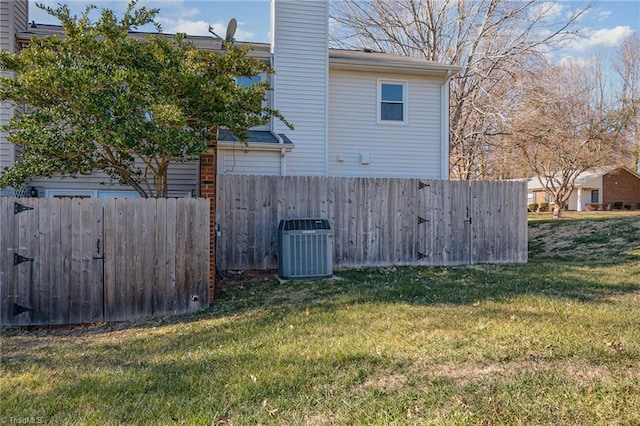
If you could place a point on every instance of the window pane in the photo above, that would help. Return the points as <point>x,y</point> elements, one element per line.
<point>392,92</point>
<point>247,81</point>
<point>391,112</point>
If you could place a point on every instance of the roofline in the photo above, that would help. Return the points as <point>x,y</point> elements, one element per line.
<point>357,60</point>
<point>599,175</point>
<point>339,59</point>
<point>260,51</point>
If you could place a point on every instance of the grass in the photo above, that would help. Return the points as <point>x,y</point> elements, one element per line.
<point>555,341</point>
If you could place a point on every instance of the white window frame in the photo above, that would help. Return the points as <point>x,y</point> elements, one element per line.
<point>405,102</point>
<point>51,193</point>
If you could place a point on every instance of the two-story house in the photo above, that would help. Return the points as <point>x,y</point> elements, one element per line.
<point>356,113</point>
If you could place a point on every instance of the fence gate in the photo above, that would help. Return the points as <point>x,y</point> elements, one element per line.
<point>73,261</point>
<point>52,264</point>
<point>444,228</point>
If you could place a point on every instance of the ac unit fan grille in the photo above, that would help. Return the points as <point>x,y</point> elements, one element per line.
<point>304,252</point>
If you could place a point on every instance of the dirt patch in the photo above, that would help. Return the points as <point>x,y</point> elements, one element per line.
<point>390,382</point>
<point>232,279</point>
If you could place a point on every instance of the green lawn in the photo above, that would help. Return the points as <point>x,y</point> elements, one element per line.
<point>555,341</point>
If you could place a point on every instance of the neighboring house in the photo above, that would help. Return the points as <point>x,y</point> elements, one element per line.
<point>356,113</point>
<point>604,185</point>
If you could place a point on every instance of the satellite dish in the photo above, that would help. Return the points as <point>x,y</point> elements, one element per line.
<point>231,29</point>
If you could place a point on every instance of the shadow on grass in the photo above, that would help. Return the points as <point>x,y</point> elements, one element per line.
<point>460,285</point>
<point>243,358</point>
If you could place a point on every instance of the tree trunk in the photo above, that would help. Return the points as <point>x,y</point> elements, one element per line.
<point>557,210</point>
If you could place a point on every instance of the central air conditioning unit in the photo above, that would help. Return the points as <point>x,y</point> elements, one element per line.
<point>305,248</point>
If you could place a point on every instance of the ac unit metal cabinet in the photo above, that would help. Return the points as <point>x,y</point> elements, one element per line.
<point>305,248</point>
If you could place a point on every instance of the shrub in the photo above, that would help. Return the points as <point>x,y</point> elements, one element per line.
<point>544,207</point>
<point>618,205</point>
<point>532,207</point>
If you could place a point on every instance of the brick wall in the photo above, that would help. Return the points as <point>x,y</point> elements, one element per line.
<point>620,185</point>
<point>208,171</point>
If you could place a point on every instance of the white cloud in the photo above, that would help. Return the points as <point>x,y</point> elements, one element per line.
<point>548,9</point>
<point>581,62</point>
<point>603,14</point>
<point>609,37</point>
<point>605,37</point>
<point>199,27</point>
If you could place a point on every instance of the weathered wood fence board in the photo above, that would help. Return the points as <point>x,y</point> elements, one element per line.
<point>375,221</point>
<point>71,261</point>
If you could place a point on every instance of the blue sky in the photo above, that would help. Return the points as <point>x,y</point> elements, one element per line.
<point>605,25</point>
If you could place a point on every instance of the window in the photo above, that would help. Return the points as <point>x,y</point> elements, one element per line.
<point>595,196</point>
<point>393,101</point>
<point>248,81</point>
<point>87,193</point>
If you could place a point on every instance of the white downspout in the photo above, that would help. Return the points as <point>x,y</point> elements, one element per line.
<point>283,155</point>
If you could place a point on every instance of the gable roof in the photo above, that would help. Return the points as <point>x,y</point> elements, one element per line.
<point>584,179</point>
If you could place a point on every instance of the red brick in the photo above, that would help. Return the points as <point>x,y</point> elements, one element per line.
<point>208,163</point>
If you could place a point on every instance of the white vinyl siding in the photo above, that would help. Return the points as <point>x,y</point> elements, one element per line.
<point>13,18</point>
<point>6,149</point>
<point>181,177</point>
<point>241,162</point>
<point>300,81</point>
<point>360,146</point>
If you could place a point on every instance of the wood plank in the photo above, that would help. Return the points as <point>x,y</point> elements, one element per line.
<point>205,219</point>
<point>182,221</point>
<point>7,244</point>
<point>76,290</point>
<point>123,291</point>
<point>160,296</point>
<point>93,241</point>
<point>110,253</point>
<point>149,229</point>
<point>137,217</point>
<point>170,259</point>
<point>46,258</point>
<point>56,263</point>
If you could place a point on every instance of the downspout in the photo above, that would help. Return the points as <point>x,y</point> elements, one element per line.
<point>283,155</point>
<point>445,131</point>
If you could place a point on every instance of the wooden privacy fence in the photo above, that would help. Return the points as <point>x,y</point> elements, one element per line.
<point>375,221</point>
<point>71,261</point>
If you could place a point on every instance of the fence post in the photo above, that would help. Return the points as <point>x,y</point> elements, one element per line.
<point>208,171</point>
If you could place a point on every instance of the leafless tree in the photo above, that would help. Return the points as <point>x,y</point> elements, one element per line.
<point>567,123</point>
<point>492,40</point>
<point>627,66</point>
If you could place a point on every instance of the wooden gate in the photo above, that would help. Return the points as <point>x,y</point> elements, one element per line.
<point>444,223</point>
<point>72,261</point>
<point>52,269</point>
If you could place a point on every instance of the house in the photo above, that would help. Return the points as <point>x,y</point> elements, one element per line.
<point>356,113</point>
<point>604,186</point>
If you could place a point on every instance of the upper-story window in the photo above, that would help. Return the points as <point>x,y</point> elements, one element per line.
<point>248,81</point>
<point>392,96</point>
